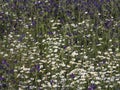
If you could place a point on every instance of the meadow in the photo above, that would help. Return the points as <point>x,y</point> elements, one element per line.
<point>59,44</point>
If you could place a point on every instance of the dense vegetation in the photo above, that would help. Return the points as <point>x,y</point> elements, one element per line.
<point>60,44</point>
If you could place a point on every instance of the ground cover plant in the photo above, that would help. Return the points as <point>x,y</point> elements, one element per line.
<point>59,45</point>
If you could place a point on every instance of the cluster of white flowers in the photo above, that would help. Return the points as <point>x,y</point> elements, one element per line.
<point>61,65</point>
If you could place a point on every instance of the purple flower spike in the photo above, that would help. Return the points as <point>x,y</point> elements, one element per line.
<point>37,67</point>
<point>68,13</point>
<point>4,85</point>
<point>92,87</point>
<point>51,82</point>
<point>1,78</point>
<point>104,61</point>
<point>50,33</point>
<point>72,75</point>
<point>108,24</point>
<point>33,23</point>
<point>101,0</point>
<point>64,47</point>
<point>4,61</point>
<point>11,71</point>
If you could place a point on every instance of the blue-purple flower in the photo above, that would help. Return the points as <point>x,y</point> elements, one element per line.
<point>92,87</point>
<point>51,82</point>
<point>35,68</point>
<point>1,78</point>
<point>4,62</point>
<point>108,23</point>
<point>72,75</point>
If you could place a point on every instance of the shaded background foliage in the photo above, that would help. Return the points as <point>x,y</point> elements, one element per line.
<point>15,13</point>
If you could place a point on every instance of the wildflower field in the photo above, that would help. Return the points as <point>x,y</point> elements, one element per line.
<point>59,44</point>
